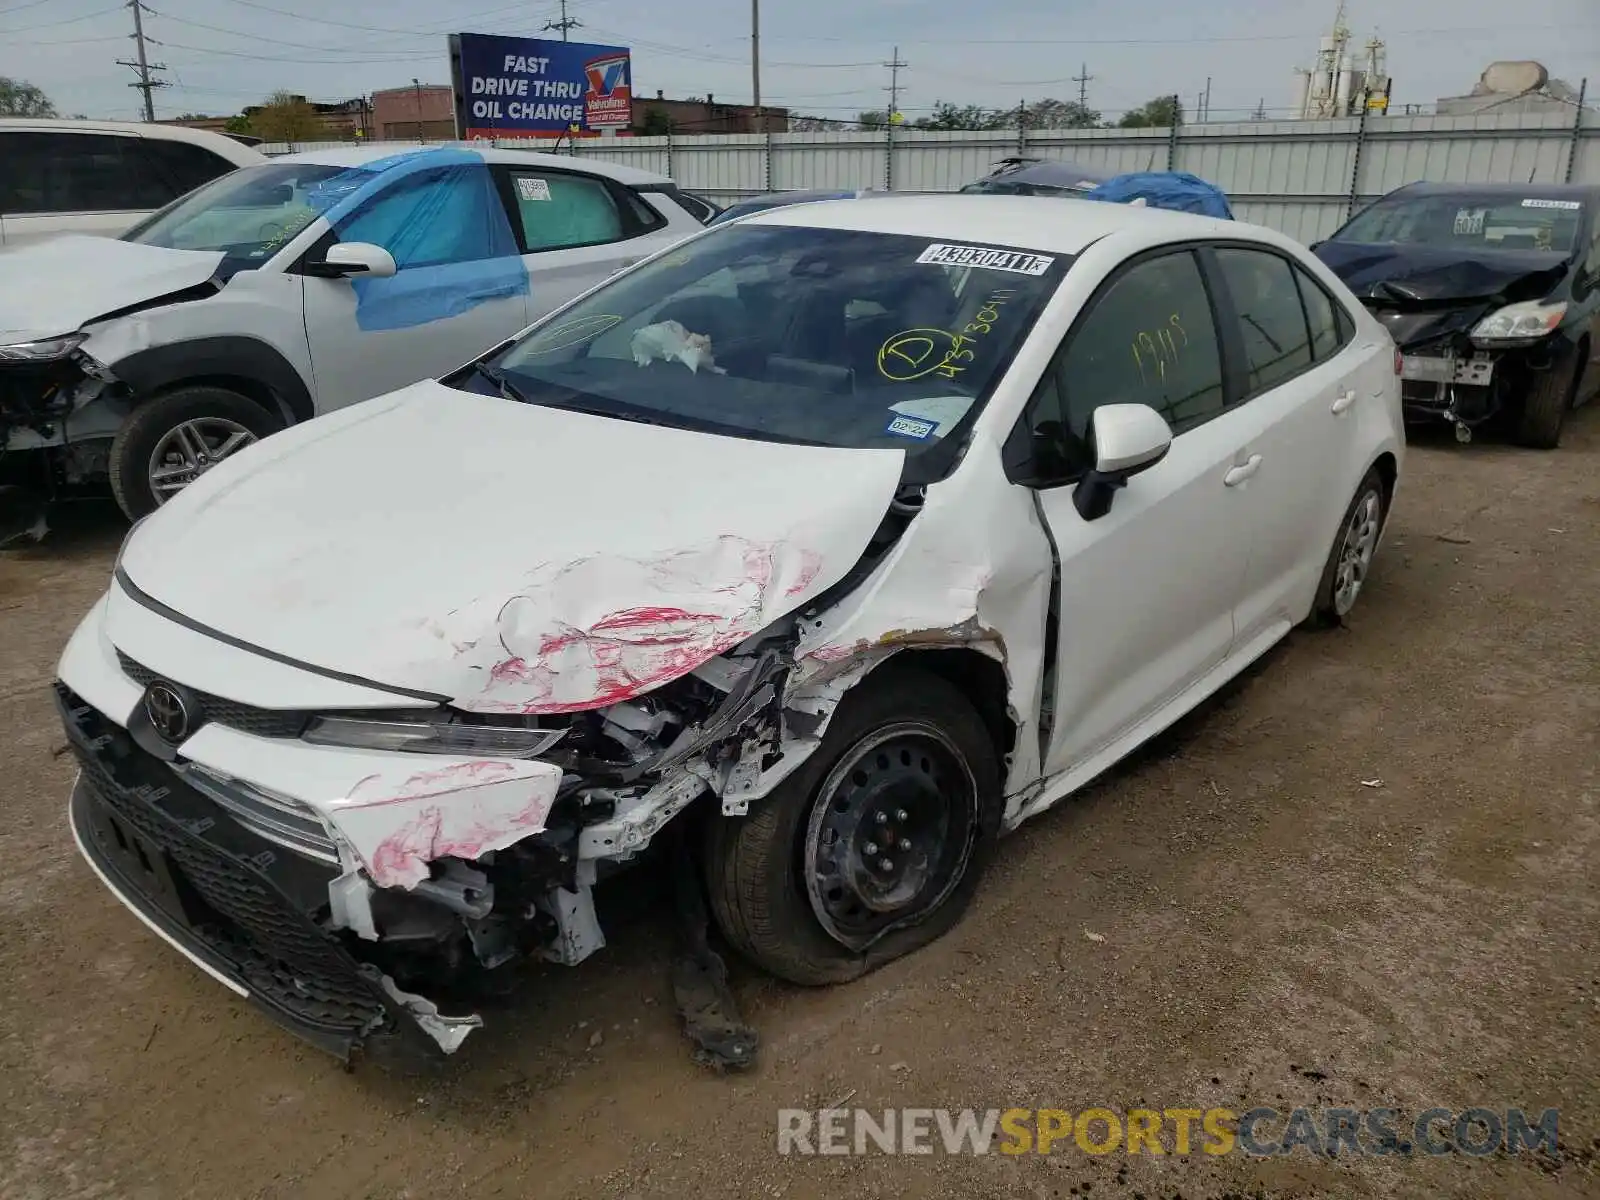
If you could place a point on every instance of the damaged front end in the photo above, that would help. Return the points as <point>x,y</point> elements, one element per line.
<point>1474,333</point>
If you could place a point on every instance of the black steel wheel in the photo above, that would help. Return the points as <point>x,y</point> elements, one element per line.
<point>873,847</point>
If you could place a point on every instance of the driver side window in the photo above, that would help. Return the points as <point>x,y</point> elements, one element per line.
<point>450,215</point>
<point>1147,338</point>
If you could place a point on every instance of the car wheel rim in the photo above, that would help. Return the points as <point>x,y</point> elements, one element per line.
<point>891,832</point>
<point>189,450</point>
<point>1355,551</point>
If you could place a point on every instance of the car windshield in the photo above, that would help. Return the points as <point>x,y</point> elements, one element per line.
<point>247,214</point>
<point>1471,222</point>
<point>822,336</point>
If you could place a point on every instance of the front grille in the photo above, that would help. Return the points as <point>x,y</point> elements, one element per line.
<point>229,902</point>
<point>246,718</point>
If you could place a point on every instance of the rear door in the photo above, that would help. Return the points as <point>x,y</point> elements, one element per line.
<point>576,230</point>
<point>1297,378</point>
<point>64,181</point>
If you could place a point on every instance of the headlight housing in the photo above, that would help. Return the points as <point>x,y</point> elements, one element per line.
<point>431,733</point>
<point>1527,321</point>
<point>43,350</point>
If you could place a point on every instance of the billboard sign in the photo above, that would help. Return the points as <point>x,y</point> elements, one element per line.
<point>510,87</point>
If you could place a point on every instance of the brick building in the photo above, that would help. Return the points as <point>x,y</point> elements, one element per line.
<point>657,116</point>
<point>421,112</point>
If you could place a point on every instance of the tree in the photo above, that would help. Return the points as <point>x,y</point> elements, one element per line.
<point>876,119</point>
<point>656,123</point>
<point>20,99</point>
<point>1161,113</point>
<point>284,117</point>
<point>239,124</point>
<point>966,116</point>
<point>1061,114</point>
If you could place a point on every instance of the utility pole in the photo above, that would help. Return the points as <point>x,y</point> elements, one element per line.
<point>1082,80</point>
<point>755,62</point>
<point>565,23</point>
<point>146,69</point>
<point>895,65</point>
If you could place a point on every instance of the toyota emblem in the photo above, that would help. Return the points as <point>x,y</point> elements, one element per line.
<point>167,713</point>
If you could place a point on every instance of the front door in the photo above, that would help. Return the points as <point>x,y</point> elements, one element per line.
<point>461,286</point>
<point>1147,591</point>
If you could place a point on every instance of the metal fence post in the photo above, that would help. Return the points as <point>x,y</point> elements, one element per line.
<point>766,167</point>
<point>670,175</point>
<point>1022,129</point>
<point>1172,134</point>
<point>888,155</point>
<point>1577,128</point>
<point>1355,166</point>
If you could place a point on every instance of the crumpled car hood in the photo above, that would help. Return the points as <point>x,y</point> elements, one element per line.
<point>1405,276</point>
<point>507,557</point>
<point>58,285</point>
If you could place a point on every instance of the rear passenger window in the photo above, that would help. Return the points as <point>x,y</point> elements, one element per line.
<point>1328,332</point>
<point>185,166</point>
<point>1272,323</point>
<point>1148,339</point>
<point>75,173</point>
<point>559,211</point>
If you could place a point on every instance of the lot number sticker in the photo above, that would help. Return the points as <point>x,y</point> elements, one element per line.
<point>533,189</point>
<point>1015,261</point>
<point>1566,204</point>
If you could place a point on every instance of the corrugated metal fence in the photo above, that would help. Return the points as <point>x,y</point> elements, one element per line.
<point>1301,177</point>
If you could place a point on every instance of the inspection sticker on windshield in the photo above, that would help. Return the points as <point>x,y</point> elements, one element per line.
<point>533,189</point>
<point>911,427</point>
<point>1015,261</point>
<point>1567,204</point>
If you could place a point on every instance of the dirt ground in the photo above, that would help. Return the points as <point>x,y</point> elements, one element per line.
<point>1275,932</point>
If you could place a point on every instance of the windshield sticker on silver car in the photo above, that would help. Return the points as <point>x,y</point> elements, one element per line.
<point>1566,204</point>
<point>946,255</point>
<point>911,427</point>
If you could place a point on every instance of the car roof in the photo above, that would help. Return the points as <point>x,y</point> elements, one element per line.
<point>217,143</point>
<point>361,155</point>
<point>1064,226</point>
<point>1051,172</point>
<point>1532,191</point>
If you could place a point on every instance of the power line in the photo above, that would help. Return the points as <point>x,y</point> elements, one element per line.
<point>147,82</point>
<point>67,21</point>
<point>895,65</point>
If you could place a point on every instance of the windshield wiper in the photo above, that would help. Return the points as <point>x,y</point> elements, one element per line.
<point>506,388</point>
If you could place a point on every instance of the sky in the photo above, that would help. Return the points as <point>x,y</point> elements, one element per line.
<point>823,57</point>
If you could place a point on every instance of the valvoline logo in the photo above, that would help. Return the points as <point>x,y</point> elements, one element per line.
<point>608,95</point>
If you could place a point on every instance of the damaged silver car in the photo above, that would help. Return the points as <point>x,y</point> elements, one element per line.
<point>814,552</point>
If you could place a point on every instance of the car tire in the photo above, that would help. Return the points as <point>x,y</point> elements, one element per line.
<point>1546,404</point>
<point>220,417</point>
<point>1351,557</point>
<point>905,743</point>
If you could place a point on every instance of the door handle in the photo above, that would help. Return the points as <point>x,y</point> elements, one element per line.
<point>1243,471</point>
<point>1342,404</point>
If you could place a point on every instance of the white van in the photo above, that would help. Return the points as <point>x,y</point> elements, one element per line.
<point>100,177</point>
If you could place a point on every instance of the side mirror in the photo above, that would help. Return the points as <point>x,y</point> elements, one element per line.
<point>1128,438</point>
<point>345,259</point>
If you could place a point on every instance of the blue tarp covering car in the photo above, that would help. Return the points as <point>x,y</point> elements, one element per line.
<point>1166,189</point>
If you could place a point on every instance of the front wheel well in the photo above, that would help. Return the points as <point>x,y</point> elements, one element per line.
<point>1388,469</point>
<point>979,678</point>
<point>254,390</point>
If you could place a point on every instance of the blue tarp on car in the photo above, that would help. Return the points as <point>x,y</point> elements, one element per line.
<point>1166,189</point>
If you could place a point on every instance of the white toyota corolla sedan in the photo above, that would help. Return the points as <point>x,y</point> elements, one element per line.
<point>843,538</point>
